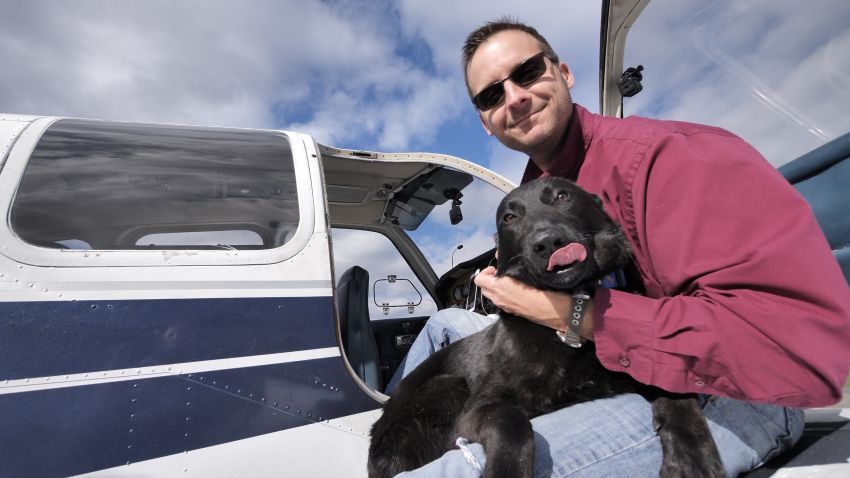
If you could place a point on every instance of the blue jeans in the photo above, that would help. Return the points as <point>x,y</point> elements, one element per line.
<point>611,437</point>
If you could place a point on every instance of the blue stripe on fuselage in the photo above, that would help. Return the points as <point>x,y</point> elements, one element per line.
<point>39,339</point>
<point>67,431</point>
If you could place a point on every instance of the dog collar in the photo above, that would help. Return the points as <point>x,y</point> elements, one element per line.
<point>572,336</point>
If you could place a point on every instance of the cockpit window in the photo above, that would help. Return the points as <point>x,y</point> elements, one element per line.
<point>446,242</point>
<point>768,70</point>
<point>136,186</point>
<point>224,239</point>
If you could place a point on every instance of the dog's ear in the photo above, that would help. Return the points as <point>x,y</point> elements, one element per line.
<point>503,252</point>
<point>509,252</point>
<point>596,199</point>
<point>612,249</point>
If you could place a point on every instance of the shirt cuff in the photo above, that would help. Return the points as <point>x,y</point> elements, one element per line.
<point>624,332</point>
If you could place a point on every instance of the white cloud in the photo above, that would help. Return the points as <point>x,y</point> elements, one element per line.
<point>572,28</point>
<point>154,61</point>
<point>507,162</point>
<point>337,69</point>
<point>410,113</point>
<point>386,74</point>
<point>255,64</point>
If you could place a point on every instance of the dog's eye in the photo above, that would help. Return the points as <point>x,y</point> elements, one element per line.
<point>563,196</point>
<point>508,217</point>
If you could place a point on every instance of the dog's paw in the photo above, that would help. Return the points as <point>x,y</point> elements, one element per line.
<point>673,469</point>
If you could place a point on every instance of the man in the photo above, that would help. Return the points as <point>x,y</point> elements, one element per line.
<point>744,302</point>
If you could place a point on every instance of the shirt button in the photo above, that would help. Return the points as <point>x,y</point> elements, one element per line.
<point>699,382</point>
<point>624,361</point>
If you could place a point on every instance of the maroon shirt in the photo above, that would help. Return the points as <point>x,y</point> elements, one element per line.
<point>744,298</point>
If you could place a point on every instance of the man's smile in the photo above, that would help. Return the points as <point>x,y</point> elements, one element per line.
<point>524,118</point>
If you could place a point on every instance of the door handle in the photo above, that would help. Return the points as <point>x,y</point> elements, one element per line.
<point>404,340</point>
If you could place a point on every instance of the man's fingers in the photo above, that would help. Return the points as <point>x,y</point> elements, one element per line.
<point>486,277</point>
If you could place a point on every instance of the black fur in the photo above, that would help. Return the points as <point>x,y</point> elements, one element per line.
<point>488,386</point>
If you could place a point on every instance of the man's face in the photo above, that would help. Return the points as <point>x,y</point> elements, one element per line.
<point>532,119</point>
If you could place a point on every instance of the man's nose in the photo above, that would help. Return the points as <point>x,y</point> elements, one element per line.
<point>514,94</point>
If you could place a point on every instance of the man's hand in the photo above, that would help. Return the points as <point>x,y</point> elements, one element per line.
<point>543,307</point>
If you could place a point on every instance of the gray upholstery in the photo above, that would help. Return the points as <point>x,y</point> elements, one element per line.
<point>822,176</point>
<point>355,325</point>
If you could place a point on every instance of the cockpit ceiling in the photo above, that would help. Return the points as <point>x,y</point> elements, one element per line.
<point>369,174</point>
<point>338,194</point>
<point>357,189</point>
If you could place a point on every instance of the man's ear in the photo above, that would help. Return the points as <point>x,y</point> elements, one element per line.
<point>567,74</point>
<point>484,123</point>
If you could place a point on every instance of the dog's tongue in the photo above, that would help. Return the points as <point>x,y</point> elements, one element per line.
<point>566,255</point>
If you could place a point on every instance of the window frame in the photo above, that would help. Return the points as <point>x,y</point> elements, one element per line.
<point>412,256</point>
<point>304,154</point>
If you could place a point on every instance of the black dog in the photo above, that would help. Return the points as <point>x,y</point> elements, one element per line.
<point>555,236</point>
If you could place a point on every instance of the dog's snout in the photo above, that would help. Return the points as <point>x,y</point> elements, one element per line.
<point>545,242</point>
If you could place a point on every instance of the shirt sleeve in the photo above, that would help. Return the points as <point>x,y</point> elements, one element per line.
<point>744,299</point>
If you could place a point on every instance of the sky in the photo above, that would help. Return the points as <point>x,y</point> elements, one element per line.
<point>385,75</point>
<point>376,75</point>
<point>775,72</point>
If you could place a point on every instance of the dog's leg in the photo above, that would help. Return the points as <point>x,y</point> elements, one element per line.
<point>686,442</point>
<point>504,431</point>
<point>411,433</point>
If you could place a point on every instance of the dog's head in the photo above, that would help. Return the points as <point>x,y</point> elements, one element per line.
<point>555,235</point>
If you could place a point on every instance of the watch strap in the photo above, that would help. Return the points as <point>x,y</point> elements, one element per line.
<point>572,336</point>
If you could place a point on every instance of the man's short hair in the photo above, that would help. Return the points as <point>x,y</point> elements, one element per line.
<point>484,32</point>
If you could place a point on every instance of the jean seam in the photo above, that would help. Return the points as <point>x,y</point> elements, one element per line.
<point>777,448</point>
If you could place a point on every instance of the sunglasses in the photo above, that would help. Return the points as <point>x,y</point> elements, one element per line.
<point>523,75</point>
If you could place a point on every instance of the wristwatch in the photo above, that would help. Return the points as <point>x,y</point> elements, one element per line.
<point>581,301</point>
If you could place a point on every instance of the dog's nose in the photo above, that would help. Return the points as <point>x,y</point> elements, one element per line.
<point>547,241</point>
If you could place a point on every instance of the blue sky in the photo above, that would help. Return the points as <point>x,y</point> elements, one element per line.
<point>377,75</point>
<point>384,75</point>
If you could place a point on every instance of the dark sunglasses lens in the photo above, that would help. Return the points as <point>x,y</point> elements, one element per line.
<point>530,71</point>
<point>525,74</point>
<point>490,97</point>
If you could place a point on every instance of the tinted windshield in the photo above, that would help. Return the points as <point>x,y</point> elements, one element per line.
<point>98,185</point>
<point>776,72</point>
<point>445,244</point>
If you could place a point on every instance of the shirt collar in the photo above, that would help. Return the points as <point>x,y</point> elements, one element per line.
<point>568,163</point>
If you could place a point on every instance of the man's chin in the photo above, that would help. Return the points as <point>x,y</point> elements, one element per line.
<point>527,141</point>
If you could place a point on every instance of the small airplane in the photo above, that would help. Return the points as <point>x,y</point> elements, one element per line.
<point>189,301</point>
<point>168,297</point>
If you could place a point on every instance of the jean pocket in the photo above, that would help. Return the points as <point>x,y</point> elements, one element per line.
<point>784,425</point>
